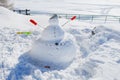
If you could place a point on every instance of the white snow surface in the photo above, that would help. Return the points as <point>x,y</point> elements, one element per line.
<point>100,58</point>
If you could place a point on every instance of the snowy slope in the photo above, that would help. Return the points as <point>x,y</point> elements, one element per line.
<point>101,7</point>
<point>100,58</point>
<point>13,20</point>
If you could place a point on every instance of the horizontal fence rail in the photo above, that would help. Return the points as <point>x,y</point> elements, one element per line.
<point>92,18</point>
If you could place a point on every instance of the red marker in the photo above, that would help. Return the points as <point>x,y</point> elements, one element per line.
<point>33,22</point>
<point>73,18</point>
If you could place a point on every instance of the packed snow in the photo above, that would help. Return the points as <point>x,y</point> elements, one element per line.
<point>98,57</point>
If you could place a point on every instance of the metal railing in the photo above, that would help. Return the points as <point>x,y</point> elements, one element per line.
<point>92,18</point>
<point>80,17</point>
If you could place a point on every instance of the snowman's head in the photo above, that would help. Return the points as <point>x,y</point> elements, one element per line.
<point>54,20</point>
<point>53,31</point>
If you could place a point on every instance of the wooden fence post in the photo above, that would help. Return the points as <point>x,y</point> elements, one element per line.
<point>20,11</point>
<point>79,17</point>
<point>119,20</point>
<point>66,16</point>
<point>105,19</point>
<point>26,12</point>
<point>92,18</point>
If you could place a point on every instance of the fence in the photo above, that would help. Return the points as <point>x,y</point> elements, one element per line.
<point>92,18</point>
<point>80,17</point>
<point>25,12</point>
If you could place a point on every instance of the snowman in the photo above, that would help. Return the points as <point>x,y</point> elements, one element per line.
<point>55,46</point>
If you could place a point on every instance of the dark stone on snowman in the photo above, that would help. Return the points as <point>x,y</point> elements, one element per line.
<point>55,45</point>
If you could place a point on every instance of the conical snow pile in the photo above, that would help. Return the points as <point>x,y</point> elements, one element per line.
<point>55,45</point>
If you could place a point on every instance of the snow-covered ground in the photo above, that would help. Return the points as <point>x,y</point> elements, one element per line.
<point>98,59</point>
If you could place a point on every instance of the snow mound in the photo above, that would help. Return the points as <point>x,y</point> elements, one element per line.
<point>53,31</point>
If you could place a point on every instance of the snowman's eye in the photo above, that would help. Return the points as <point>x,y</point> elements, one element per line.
<point>56,44</point>
<point>61,44</point>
